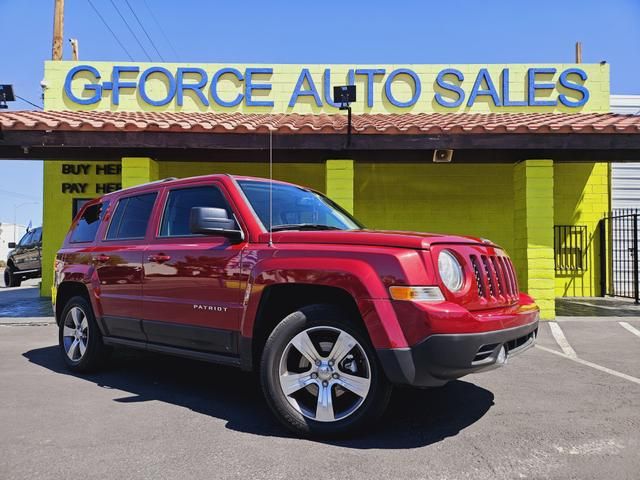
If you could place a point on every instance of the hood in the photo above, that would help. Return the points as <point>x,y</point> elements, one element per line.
<point>382,238</point>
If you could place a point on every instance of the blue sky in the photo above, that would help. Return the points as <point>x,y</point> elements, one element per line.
<point>276,31</point>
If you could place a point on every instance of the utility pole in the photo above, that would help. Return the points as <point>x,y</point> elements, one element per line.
<point>578,52</point>
<point>58,28</point>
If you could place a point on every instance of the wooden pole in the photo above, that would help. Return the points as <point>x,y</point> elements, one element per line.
<point>578,52</point>
<point>74,49</point>
<point>58,28</point>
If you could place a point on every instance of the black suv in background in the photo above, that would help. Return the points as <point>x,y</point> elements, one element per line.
<point>25,260</point>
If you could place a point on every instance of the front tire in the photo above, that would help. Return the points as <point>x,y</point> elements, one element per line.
<point>320,374</point>
<point>80,338</point>
<point>10,278</point>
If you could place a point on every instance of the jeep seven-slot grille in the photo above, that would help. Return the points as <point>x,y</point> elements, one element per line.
<point>495,277</point>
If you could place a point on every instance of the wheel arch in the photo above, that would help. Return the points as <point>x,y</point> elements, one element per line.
<point>67,290</point>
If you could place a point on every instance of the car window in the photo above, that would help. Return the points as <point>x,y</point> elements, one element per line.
<point>175,220</point>
<point>87,225</point>
<point>131,217</point>
<point>26,239</point>
<point>37,236</point>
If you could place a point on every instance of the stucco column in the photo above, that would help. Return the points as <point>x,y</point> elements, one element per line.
<point>339,182</point>
<point>533,232</point>
<point>139,170</point>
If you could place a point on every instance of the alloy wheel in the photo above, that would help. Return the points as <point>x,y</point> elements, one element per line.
<point>75,334</point>
<point>325,374</point>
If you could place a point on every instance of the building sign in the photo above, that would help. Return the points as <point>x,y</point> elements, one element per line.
<point>90,178</point>
<point>304,89</point>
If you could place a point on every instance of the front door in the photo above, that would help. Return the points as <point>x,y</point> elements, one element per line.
<point>192,294</point>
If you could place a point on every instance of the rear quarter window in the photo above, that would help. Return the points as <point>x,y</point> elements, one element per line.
<point>87,225</point>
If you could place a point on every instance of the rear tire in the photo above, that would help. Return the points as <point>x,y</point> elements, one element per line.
<point>80,338</point>
<point>320,374</point>
<point>10,278</point>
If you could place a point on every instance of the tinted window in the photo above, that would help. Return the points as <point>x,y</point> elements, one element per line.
<point>87,226</point>
<point>293,205</point>
<point>26,239</point>
<point>175,221</point>
<point>131,217</point>
<point>37,235</point>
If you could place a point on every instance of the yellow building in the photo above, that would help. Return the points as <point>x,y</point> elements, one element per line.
<point>527,157</point>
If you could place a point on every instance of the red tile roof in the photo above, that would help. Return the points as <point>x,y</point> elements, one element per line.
<point>394,124</point>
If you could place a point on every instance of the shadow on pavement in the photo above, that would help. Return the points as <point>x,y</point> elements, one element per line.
<point>415,418</point>
<point>24,302</point>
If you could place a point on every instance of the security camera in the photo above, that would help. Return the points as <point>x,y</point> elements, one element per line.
<point>442,156</point>
<point>44,84</point>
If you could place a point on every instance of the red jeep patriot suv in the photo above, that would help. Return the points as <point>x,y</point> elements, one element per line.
<point>278,278</point>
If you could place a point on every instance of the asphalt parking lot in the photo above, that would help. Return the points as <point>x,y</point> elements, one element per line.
<point>550,413</point>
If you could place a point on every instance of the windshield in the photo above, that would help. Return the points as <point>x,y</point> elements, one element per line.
<point>296,208</point>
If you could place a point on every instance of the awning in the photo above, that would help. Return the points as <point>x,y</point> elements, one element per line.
<point>499,136</point>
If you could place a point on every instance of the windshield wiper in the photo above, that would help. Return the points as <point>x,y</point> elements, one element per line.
<point>303,226</point>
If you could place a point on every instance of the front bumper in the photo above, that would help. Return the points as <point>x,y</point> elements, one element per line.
<point>444,357</point>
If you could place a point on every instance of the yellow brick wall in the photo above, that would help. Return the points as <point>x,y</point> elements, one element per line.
<point>138,170</point>
<point>533,232</point>
<point>443,198</point>
<point>340,182</point>
<point>581,197</point>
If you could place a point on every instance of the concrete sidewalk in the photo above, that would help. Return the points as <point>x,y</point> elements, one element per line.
<point>23,305</point>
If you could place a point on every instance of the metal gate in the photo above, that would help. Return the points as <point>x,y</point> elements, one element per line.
<point>619,254</point>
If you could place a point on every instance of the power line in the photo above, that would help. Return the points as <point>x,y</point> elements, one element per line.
<point>130,29</point>
<point>109,28</point>
<point>16,194</point>
<point>144,30</point>
<point>30,103</point>
<point>162,30</point>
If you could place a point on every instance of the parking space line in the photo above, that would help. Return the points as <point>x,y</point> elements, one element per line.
<point>630,328</point>
<point>561,340</point>
<point>615,373</point>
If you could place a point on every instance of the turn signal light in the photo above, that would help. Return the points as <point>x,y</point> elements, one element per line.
<point>416,294</point>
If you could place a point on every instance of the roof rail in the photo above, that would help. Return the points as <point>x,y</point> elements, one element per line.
<point>162,180</point>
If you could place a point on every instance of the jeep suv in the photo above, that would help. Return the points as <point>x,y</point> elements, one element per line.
<point>277,278</point>
<point>24,261</point>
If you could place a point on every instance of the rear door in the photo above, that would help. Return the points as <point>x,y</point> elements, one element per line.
<point>192,287</point>
<point>118,264</point>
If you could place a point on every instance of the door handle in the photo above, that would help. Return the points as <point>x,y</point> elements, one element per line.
<point>102,258</point>
<point>160,258</point>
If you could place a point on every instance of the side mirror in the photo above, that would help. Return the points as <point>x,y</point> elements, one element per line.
<point>213,221</point>
<point>11,244</point>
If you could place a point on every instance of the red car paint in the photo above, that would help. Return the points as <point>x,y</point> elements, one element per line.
<point>212,282</point>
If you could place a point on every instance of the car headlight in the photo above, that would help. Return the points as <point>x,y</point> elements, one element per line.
<point>450,271</point>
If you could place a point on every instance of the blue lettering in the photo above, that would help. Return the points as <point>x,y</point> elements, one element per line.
<point>89,86</point>
<point>195,87</point>
<point>214,87</point>
<point>249,87</point>
<point>483,75</point>
<point>566,83</point>
<point>533,86</point>
<point>311,92</point>
<point>370,73</point>
<point>506,101</point>
<point>451,87</point>
<point>116,84</point>
<point>142,85</point>
<point>416,91</point>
